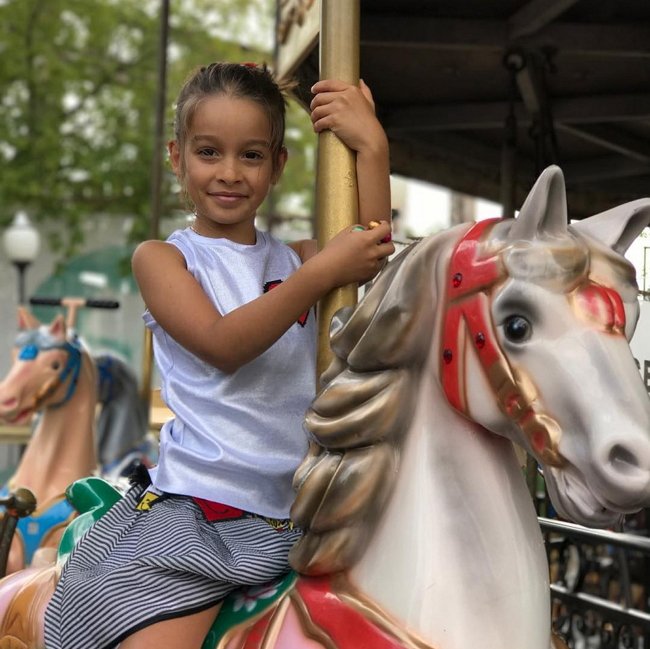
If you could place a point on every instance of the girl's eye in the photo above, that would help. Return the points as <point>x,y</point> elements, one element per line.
<point>56,365</point>
<point>253,155</point>
<point>517,329</point>
<point>207,153</point>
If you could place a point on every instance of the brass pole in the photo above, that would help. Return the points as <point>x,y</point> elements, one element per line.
<point>147,366</point>
<point>336,180</point>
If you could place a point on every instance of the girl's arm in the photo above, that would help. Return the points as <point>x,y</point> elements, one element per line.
<point>184,311</point>
<point>349,112</point>
<point>305,248</point>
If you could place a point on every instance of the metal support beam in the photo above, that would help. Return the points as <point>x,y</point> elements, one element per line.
<point>508,177</point>
<point>611,139</point>
<point>535,15</point>
<point>528,69</point>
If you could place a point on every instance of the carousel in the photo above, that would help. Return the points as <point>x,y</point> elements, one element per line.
<point>472,348</point>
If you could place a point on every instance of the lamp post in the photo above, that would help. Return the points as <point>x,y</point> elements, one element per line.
<point>21,242</point>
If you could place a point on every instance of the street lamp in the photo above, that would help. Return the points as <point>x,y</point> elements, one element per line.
<point>22,242</point>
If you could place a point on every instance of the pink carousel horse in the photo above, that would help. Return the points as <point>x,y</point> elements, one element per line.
<point>419,529</point>
<point>54,377</point>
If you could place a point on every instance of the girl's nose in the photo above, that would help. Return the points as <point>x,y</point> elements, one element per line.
<point>228,172</point>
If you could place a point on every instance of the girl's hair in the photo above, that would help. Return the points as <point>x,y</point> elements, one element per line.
<point>242,80</point>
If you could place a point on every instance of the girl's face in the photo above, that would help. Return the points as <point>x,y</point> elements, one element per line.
<point>226,166</point>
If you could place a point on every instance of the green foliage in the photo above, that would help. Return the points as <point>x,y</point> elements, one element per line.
<point>78,88</point>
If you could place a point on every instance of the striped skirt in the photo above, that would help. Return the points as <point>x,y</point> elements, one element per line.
<point>136,567</point>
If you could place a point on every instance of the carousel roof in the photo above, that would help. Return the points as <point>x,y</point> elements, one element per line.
<point>458,81</point>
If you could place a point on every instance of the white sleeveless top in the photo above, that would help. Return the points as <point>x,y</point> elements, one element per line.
<point>237,438</point>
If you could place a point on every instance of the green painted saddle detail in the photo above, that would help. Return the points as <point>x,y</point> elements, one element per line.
<point>246,603</point>
<point>92,498</point>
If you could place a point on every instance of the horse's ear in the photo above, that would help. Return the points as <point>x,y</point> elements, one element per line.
<point>26,320</point>
<point>618,227</point>
<point>57,327</point>
<point>544,210</point>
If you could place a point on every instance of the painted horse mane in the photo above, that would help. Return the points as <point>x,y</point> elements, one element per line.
<point>361,415</point>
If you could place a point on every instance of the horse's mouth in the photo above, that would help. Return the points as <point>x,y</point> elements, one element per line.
<point>22,417</point>
<point>575,501</point>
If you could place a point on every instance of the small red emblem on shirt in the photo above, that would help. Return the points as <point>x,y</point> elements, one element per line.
<point>302,320</point>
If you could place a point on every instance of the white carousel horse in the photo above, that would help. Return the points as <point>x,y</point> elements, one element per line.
<point>419,529</point>
<point>54,375</point>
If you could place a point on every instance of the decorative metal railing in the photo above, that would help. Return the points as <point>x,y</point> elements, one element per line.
<point>600,584</point>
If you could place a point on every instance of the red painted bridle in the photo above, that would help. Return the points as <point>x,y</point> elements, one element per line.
<point>468,321</point>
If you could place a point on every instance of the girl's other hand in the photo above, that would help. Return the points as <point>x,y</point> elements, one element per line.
<point>355,255</point>
<point>349,112</point>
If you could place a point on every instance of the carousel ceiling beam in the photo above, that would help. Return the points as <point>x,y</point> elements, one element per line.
<point>471,151</point>
<point>477,115</point>
<point>603,168</point>
<point>600,109</point>
<point>423,32</point>
<point>449,116</point>
<point>535,15</point>
<point>414,159</point>
<point>622,40</point>
<point>464,151</point>
<point>612,139</point>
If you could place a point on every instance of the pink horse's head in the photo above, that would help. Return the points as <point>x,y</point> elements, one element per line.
<point>45,366</point>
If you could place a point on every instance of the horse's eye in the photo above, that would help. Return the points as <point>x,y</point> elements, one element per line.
<point>56,365</point>
<point>517,329</point>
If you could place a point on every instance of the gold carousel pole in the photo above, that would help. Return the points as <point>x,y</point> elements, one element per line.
<point>336,180</point>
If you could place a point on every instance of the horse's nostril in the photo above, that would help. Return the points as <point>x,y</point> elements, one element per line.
<point>622,460</point>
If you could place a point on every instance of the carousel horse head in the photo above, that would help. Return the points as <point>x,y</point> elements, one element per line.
<point>522,327</point>
<point>48,363</point>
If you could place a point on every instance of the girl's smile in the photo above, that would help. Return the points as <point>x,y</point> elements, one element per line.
<point>226,198</point>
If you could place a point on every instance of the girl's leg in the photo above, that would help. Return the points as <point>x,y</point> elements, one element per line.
<point>187,632</point>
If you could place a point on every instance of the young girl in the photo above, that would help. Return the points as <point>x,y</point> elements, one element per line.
<point>232,315</point>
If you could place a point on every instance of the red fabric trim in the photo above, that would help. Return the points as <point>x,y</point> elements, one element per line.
<point>348,628</point>
<point>216,511</point>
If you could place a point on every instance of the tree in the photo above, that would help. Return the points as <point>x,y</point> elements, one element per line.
<point>77,108</point>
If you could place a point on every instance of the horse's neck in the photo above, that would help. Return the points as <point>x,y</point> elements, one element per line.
<point>458,555</point>
<point>62,446</point>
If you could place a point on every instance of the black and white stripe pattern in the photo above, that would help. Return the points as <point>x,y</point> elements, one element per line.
<point>134,568</point>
